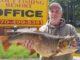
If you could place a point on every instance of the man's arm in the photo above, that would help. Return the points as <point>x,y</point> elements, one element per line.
<point>74,32</point>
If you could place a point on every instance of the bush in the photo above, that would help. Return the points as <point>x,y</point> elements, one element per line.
<point>2,52</point>
<point>15,51</point>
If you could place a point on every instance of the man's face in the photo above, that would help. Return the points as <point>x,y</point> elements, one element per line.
<point>55,15</point>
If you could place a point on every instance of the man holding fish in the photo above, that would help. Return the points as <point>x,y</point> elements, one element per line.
<point>57,26</point>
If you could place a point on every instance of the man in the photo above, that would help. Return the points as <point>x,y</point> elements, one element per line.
<point>56,26</point>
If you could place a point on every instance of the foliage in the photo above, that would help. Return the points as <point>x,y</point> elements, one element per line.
<point>16,52</point>
<point>2,52</point>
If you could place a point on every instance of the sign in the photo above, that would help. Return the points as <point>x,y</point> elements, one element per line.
<point>26,13</point>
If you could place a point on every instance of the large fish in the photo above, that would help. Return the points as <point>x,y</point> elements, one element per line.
<point>45,44</point>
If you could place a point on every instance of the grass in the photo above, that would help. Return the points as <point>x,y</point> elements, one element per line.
<point>78,29</point>
<point>16,52</point>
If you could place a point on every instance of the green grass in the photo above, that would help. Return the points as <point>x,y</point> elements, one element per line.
<point>16,52</point>
<point>78,29</point>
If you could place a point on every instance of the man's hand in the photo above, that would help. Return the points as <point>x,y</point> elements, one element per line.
<point>74,43</point>
<point>27,44</point>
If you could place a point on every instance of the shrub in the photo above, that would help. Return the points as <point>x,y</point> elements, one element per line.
<point>15,51</point>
